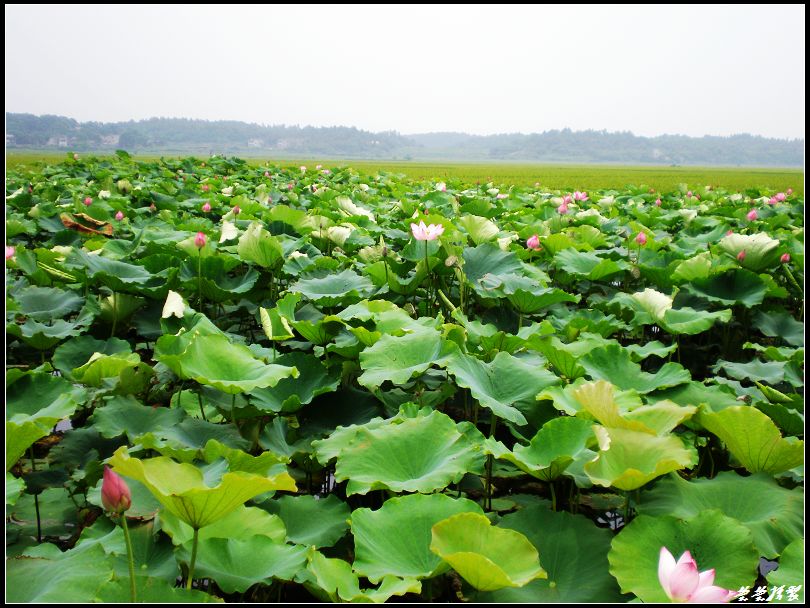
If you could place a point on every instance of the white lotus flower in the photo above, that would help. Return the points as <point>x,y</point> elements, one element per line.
<point>104,194</point>
<point>174,305</point>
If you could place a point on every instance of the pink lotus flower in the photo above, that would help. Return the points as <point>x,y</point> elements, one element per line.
<point>566,200</point>
<point>206,207</point>
<point>441,187</point>
<point>119,216</point>
<point>289,186</point>
<point>689,194</point>
<point>741,256</point>
<point>426,233</point>
<point>780,196</point>
<point>267,174</point>
<point>658,202</point>
<point>501,196</point>
<point>317,167</point>
<point>88,201</point>
<point>562,209</point>
<point>199,240</point>
<point>784,259</point>
<point>9,252</point>
<point>206,187</point>
<point>789,191</point>
<point>115,494</point>
<point>236,210</point>
<point>326,172</point>
<point>533,242</point>
<point>682,582</point>
<point>580,196</point>
<point>303,168</point>
<point>772,201</point>
<point>752,215</point>
<point>729,233</point>
<point>641,239</point>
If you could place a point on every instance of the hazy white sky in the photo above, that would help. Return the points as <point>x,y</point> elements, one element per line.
<point>480,69</point>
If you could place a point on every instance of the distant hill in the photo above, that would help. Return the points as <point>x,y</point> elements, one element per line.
<point>182,135</point>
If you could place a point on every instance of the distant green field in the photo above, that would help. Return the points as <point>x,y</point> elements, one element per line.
<point>569,177</point>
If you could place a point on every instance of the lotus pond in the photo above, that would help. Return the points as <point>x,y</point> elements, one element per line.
<point>235,383</point>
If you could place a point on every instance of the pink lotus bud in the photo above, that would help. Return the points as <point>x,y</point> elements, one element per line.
<point>641,239</point>
<point>683,583</point>
<point>562,209</point>
<point>267,174</point>
<point>784,259</point>
<point>689,193</point>
<point>326,172</point>
<point>317,167</point>
<point>780,196</point>
<point>441,187</point>
<point>205,187</point>
<point>206,207</point>
<point>533,242</point>
<point>741,256</point>
<point>115,494</point>
<point>75,157</point>
<point>658,202</point>
<point>9,252</point>
<point>772,201</point>
<point>30,189</point>
<point>580,196</point>
<point>426,212</point>
<point>729,233</point>
<point>119,216</point>
<point>789,191</point>
<point>752,215</point>
<point>88,201</point>
<point>289,186</point>
<point>303,168</point>
<point>236,210</point>
<point>199,240</point>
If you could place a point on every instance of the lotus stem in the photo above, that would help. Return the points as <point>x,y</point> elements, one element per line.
<point>446,301</point>
<point>792,278</point>
<point>492,426</point>
<point>193,558</point>
<point>115,313</point>
<point>130,558</point>
<point>430,281</point>
<point>36,497</point>
<point>553,495</point>
<point>199,278</point>
<point>202,410</point>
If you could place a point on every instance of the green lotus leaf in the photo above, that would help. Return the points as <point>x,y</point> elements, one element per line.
<point>790,571</point>
<point>181,488</point>
<point>126,415</point>
<point>507,385</point>
<point>21,436</point>
<point>312,521</point>
<point>73,576</point>
<point>486,556</point>
<point>777,353</point>
<point>587,264</point>
<point>531,301</point>
<point>714,397</point>
<point>188,440</point>
<point>333,580</point>
<point>331,289</point>
<point>215,361</point>
<point>76,351</point>
<point>564,362</point>
<point>628,459</point>
<point>772,372</point>
<point>550,451</point>
<point>714,540</point>
<point>654,307</point>
<point>573,551</point>
<point>122,276</point>
<point>416,455</point>
<point>381,548</point>
<point>689,321</point>
<point>479,228</point>
<point>45,303</point>
<point>343,436</point>
<point>789,421</point>
<point>780,324</point>
<point>257,245</point>
<point>241,524</point>
<point>733,287</point>
<point>753,439</point>
<point>14,488</point>
<point>211,275</point>
<point>39,395</point>
<point>236,565</point>
<point>697,267</point>
<point>760,249</point>
<point>398,358</point>
<point>151,590</point>
<point>488,259</point>
<point>775,518</point>
<point>43,336</point>
<point>614,364</point>
<point>274,325</point>
<point>564,398</point>
<point>640,352</point>
<point>101,367</point>
<point>290,394</point>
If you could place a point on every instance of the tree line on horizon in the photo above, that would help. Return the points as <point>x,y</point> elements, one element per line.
<point>183,135</point>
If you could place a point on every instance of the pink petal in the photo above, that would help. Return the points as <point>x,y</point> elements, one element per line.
<point>686,558</point>
<point>666,565</point>
<point>706,579</point>
<point>711,595</point>
<point>684,581</point>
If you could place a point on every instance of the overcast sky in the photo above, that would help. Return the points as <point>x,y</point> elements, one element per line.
<point>660,69</point>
